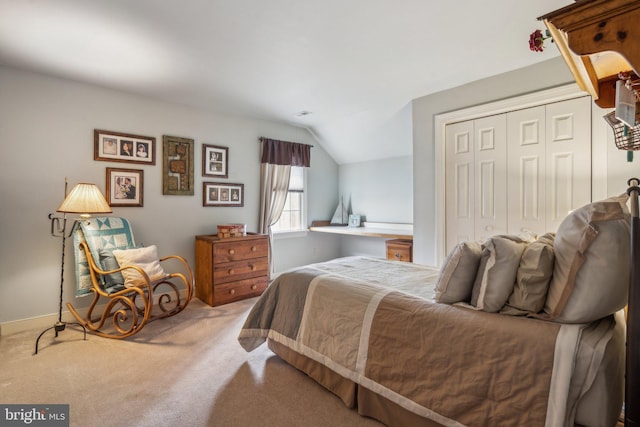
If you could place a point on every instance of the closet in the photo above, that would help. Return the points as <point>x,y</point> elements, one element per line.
<point>517,172</point>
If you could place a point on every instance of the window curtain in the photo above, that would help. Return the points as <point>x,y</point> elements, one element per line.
<point>276,159</point>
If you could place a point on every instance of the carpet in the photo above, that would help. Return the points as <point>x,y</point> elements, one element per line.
<point>186,370</point>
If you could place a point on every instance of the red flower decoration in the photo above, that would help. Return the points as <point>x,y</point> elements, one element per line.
<point>536,40</point>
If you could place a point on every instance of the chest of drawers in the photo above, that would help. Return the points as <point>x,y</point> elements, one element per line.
<point>400,250</point>
<point>231,269</point>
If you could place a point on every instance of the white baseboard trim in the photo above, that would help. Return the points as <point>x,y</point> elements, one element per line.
<point>48,320</point>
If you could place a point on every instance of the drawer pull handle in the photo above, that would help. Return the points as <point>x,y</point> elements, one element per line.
<point>254,287</point>
<point>231,252</point>
<point>253,267</point>
<point>232,291</point>
<point>398,255</point>
<point>231,271</point>
<point>253,249</point>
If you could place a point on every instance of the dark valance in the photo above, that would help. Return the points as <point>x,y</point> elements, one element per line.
<point>285,153</point>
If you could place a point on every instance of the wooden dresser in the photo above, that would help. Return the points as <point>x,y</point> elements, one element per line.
<point>400,250</point>
<point>231,269</point>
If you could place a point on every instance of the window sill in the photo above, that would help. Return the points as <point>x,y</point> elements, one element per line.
<point>289,234</point>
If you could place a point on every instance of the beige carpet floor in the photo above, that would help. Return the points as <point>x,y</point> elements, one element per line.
<point>187,370</point>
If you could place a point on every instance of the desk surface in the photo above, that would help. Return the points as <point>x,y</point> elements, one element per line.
<point>374,229</point>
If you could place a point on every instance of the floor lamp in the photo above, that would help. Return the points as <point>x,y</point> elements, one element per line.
<point>84,200</point>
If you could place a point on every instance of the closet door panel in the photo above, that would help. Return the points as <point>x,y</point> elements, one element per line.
<point>459,184</point>
<point>568,158</point>
<point>490,176</point>
<point>526,159</point>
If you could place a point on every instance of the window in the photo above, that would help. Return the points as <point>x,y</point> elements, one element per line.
<point>293,216</point>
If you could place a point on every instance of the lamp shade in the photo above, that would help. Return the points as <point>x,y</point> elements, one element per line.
<point>85,199</point>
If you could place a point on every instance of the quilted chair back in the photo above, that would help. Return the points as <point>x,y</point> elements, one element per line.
<point>102,235</point>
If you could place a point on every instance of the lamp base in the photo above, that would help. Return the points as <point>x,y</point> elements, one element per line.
<point>59,327</point>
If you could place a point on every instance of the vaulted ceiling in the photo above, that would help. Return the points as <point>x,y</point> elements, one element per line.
<point>345,69</point>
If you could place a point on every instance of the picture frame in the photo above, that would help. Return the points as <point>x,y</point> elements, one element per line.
<point>354,220</point>
<point>222,194</point>
<point>215,161</point>
<point>123,147</point>
<point>177,167</point>
<point>125,187</point>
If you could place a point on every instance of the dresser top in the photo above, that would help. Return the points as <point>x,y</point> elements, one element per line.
<point>215,238</point>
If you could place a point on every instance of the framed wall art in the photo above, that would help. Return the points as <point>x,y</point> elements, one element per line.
<point>123,147</point>
<point>125,187</point>
<point>215,161</point>
<point>177,169</point>
<point>222,194</point>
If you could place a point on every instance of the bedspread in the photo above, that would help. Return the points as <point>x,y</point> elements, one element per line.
<point>374,322</point>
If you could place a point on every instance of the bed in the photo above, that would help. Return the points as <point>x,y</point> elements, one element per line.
<point>380,336</point>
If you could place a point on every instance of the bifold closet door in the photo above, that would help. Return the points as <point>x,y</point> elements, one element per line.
<point>526,184</point>
<point>475,180</point>
<point>490,176</point>
<point>568,177</point>
<point>517,172</point>
<point>459,179</point>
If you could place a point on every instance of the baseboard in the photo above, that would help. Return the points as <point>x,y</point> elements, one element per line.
<point>48,320</point>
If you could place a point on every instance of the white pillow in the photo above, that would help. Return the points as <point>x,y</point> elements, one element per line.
<point>458,273</point>
<point>145,258</point>
<point>497,272</point>
<point>591,272</point>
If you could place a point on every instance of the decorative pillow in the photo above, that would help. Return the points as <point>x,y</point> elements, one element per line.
<point>458,272</point>
<point>108,261</point>
<point>497,272</point>
<point>591,272</point>
<point>533,278</point>
<point>145,258</point>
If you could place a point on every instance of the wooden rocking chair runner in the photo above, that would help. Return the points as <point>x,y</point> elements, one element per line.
<point>124,297</point>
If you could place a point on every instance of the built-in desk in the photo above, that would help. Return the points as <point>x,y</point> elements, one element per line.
<point>371,229</point>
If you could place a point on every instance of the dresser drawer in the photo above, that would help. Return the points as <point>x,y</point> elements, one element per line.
<point>237,251</point>
<point>239,270</point>
<point>241,289</point>
<point>400,250</point>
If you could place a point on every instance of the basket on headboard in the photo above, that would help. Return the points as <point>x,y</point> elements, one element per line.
<point>626,137</point>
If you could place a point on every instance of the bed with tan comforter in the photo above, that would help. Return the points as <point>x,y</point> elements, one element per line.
<point>369,330</point>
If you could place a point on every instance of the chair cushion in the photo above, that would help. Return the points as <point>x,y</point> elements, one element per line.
<point>115,281</point>
<point>145,258</point>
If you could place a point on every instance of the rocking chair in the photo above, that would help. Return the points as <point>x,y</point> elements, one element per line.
<point>126,281</point>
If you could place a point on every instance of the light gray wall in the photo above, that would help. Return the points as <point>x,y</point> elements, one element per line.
<point>541,76</point>
<point>380,190</point>
<point>46,132</point>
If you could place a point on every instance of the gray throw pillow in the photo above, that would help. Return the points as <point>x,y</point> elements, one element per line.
<point>458,272</point>
<point>533,278</point>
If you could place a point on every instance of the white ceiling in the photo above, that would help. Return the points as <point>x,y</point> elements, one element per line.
<point>354,64</point>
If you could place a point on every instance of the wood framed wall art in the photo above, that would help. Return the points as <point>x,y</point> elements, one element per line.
<point>177,170</point>
<point>222,194</point>
<point>215,161</point>
<point>125,187</point>
<point>123,147</point>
